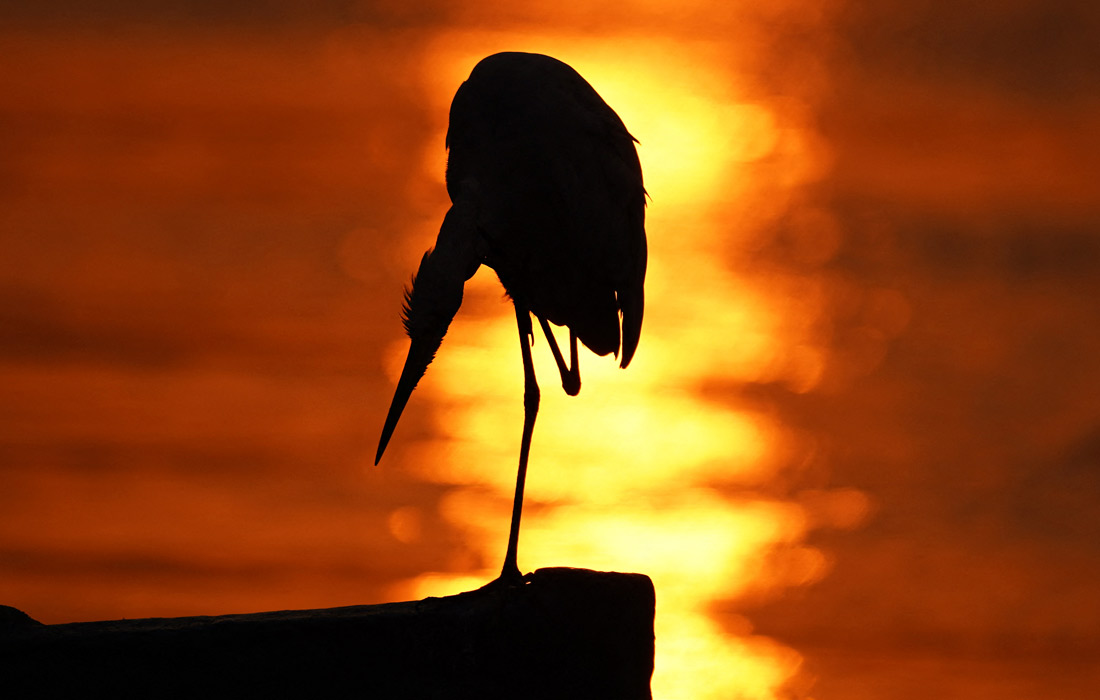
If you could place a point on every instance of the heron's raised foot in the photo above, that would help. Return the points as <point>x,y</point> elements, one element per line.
<point>571,382</point>
<point>570,375</point>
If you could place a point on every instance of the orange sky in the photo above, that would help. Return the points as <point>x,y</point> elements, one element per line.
<point>860,438</point>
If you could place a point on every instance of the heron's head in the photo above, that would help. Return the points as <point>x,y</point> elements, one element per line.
<point>431,302</point>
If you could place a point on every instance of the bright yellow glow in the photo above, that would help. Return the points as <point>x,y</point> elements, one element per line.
<point>628,476</point>
<point>699,662</point>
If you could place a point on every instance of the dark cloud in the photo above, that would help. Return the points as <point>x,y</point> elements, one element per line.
<point>179,12</point>
<point>1041,49</point>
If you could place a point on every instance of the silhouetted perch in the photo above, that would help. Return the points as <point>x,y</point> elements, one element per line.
<point>568,633</point>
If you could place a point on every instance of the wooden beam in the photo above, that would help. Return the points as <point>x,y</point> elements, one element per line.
<point>567,633</point>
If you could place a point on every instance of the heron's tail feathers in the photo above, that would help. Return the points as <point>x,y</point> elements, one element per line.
<point>632,305</point>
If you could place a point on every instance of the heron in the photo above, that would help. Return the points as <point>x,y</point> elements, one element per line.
<point>546,189</point>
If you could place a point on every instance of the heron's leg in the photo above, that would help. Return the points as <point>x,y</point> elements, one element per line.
<point>510,572</point>
<point>574,363</point>
<point>570,376</point>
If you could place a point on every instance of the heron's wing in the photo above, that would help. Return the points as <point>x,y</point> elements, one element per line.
<point>594,176</point>
<point>601,180</point>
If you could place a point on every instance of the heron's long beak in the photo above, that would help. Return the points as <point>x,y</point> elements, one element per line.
<point>432,302</point>
<point>421,353</point>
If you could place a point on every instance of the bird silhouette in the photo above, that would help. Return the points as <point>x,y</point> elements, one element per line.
<point>546,189</point>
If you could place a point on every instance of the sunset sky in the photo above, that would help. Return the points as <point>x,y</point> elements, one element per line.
<point>858,450</point>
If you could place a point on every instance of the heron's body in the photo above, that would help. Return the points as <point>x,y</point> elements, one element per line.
<point>546,189</point>
<point>560,202</point>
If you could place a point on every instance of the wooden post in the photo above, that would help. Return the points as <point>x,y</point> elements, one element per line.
<point>567,633</point>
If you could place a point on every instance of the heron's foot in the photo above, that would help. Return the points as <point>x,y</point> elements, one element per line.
<point>509,578</point>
